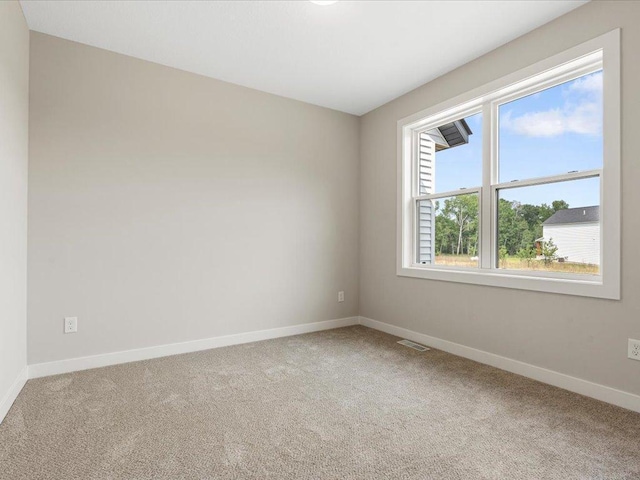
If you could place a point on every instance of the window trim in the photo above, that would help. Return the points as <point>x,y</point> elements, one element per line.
<point>600,52</point>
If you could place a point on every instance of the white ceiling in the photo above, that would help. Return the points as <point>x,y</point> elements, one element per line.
<point>352,56</point>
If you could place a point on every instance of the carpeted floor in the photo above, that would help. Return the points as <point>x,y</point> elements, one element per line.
<point>342,404</point>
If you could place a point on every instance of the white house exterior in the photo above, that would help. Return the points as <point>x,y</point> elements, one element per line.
<point>576,233</point>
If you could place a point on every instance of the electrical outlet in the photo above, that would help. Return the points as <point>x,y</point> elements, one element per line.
<point>634,349</point>
<point>341,296</point>
<point>70,324</point>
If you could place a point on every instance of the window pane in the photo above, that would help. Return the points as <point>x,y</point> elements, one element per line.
<point>451,156</point>
<point>554,131</point>
<point>448,231</point>
<point>553,227</point>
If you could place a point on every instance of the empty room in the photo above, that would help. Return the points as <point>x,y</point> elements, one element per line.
<point>319,240</point>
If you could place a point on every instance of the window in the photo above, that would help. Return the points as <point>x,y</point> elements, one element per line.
<point>448,204</point>
<point>517,184</point>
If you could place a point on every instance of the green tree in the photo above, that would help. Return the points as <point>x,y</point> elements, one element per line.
<point>463,210</point>
<point>512,227</point>
<point>559,205</point>
<point>445,234</point>
<point>503,254</point>
<point>519,225</point>
<point>549,250</point>
<point>527,254</point>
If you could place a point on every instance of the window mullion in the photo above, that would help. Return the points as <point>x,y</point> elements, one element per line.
<point>564,177</point>
<point>452,193</point>
<point>486,203</point>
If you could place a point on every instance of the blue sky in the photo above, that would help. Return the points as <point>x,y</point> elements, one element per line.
<point>550,132</point>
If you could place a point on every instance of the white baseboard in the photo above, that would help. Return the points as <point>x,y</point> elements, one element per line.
<point>12,394</point>
<point>561,380</point>
<point>567,382</point>
<point>95,361</point>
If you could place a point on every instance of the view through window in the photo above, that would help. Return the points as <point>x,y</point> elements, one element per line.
<point>450,172</point>
<point>555,225</point>
<point>547,201</point>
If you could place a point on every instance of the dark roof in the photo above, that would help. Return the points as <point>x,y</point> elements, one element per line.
<point>449,135</point>
<point>455,133</point>
<point>574,215</point>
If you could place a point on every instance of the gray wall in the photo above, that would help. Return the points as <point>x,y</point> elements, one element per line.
<point>14,142</point>
<point>585,338</point>
<point>166,206</point>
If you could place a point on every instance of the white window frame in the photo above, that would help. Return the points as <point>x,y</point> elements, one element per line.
<point>600,53</point>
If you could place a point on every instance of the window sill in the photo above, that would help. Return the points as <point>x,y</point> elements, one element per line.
<point>584,286</point>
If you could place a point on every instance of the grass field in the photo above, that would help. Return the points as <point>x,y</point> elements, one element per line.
<point>514,263</point>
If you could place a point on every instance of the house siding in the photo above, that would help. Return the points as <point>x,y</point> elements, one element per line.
<point>426,212</point>
<point>576,242</point>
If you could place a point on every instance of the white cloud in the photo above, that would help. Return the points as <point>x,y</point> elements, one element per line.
<point>581,112</point>
<point>589,84</point>
<point>586,119</point>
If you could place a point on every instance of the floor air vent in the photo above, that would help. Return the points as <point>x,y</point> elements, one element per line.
<point>415,346</point>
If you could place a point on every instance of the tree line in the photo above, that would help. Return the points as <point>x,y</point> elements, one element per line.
<point>519,225</point>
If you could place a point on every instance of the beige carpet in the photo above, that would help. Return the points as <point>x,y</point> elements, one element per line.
<point>342,404</point>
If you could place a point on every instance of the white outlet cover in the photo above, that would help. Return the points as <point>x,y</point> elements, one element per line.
<point>70,324</point>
